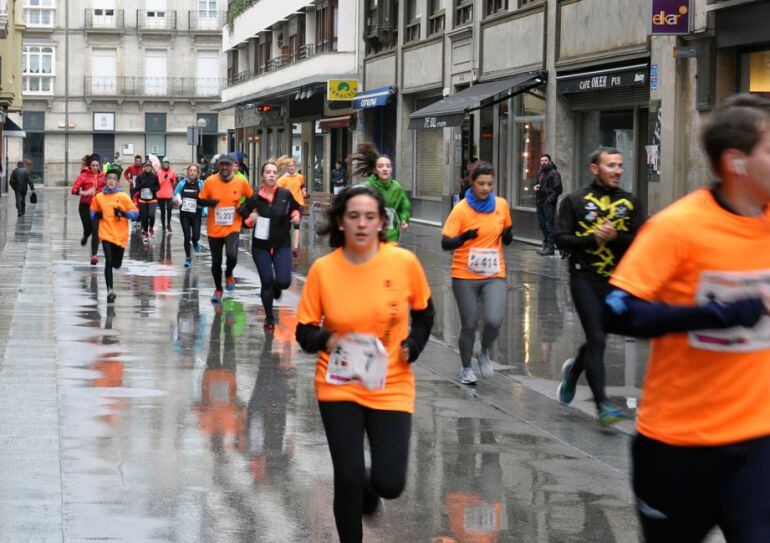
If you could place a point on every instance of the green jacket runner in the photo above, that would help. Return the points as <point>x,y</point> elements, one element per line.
<point>397,205</point>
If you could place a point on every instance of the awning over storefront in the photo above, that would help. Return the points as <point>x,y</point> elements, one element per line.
<point>334,122</point>
<point>13,130</point>
<point>451,110</point>
<point>599,79</point>
<point>373,98</point>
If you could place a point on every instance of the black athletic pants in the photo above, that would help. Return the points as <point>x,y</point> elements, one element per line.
<point>388,432</point>
<point>588,297</point>
<point>229,245</point>
<point>90,226</point>
<point>682,493</point>
<point>147,215</point>
<point>113,259</point>
<point>165,212</point>
<point>191,229</point>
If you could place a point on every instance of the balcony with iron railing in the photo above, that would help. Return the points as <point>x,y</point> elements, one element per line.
<point>104,20</point>
<point>303,52</point>
<point>206,21</point>
<point>158,21</point>
<point>153,87</point>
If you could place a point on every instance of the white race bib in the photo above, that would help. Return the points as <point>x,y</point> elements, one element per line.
<point>145,194</point>
<point>190,205</point>
<point>224,216</point>
<point>262,228</point>
<point>729,287</point>
<point>484,261</point>
<point>361,359</point>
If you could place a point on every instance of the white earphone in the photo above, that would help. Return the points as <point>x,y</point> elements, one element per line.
<point>740,166</point>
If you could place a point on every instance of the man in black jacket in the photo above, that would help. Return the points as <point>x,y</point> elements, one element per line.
<point>595,226</point>
<point>20,179</point>
<point>547,191</point>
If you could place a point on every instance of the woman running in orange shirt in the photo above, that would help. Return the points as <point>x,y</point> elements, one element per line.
<point>113,209</point>
<point>355,312</point>
<point>475,230</point>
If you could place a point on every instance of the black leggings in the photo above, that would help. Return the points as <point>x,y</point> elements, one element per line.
<point>588,296</point>
<point>274,268</point>
<point>147,215</point>
<point>165,211</point>
<point>230,246</point>
<point>191,228</point>
<point>113,259</point>
<point>388,432</point>
<point>90,226</point>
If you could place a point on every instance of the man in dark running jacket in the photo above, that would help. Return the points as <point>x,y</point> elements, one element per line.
<point>595,226</point>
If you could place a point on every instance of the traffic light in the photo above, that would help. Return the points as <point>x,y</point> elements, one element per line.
<point>263,108</point>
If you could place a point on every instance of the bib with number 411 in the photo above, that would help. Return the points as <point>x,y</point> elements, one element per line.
<point>484,261</point>
<point>360,359</point>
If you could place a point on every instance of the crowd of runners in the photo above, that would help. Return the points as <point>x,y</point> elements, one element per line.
<point>694,278</point>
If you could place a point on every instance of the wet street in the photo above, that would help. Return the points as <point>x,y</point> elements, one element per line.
<point>161,419</point>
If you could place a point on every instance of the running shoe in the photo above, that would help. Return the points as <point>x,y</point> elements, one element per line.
<point>609,415</point>
<point>486,367</point>
<point>197,246</point>
<point>110,296</point>
<point>269,325</point>
<point>83,241</point>
<point>169,228</point>
<point>568,384</point>
<point>187,262</point>
<point>277,293</point>
<point>216,297</point>
<point>230,284</point>
<point>94,260</point>
<point>468,377</point>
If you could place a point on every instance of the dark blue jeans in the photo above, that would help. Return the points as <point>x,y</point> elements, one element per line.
<point>545,218</point>
<point>274,268</point>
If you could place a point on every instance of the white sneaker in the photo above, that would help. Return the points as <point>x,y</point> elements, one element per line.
<point>468,377</point>
<point>486,367</point>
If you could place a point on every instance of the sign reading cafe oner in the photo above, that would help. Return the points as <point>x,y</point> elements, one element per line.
<point>338,90</point>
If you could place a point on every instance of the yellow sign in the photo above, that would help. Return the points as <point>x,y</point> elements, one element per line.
<point>341,89</point>
<point>759,74</point>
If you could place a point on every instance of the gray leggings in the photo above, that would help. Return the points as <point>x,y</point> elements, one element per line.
<point>468,293</point>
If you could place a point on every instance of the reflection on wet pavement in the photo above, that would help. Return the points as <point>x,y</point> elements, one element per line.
<point>163,419</point>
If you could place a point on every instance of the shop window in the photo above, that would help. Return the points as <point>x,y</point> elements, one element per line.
<point>755,72</point>
<point>437,17</point>
<point>492,7</point>
<point>411,22</point>
<point>463,12</point>
<point>609,129</point>
<point>531,137</point>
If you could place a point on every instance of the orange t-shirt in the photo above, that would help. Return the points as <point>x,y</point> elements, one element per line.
<point>230,195</point>
<point>294,184</point>
<point>706,387</point>
<point>371,298</point>
<point>491,225</point>
<point>111,228</point>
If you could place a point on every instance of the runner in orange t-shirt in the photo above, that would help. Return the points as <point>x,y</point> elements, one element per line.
<point>113,209</point>
<point>355,312</point>
<point>696,279</point>
<point>292,180</point>
<point>225,193</point>
<point>475,230</point>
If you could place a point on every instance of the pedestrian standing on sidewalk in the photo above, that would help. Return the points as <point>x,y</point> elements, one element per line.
<point>696,280</point>
<point>595,226</point>
<point>378,169</point>
<point>475,230</point>
<point>146,187</point>
<point>224,193</point>
<point>338,177</point>
<point>167,180</point>
<point>274,214</point>
<point>113,209</point>
<point>20,179</point>
<point>292,180</point>
<point>365,292</point>
<point>190,213</point>
<point>89,183</point>
<point>547,191</point>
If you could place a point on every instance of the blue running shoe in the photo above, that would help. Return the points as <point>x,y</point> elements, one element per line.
<point>609,415</point>
<point>568,384</point>
<point>216,298</point>
<point>230,284</point>
<point>187,262</point>
<point>197,247</point>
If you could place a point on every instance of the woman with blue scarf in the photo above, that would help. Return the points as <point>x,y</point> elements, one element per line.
<point>475,230</point>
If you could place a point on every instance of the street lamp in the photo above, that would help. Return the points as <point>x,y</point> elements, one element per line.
<point>202,123</point>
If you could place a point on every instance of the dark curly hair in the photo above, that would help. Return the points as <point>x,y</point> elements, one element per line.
<point>365,159</point>
<point>336,211</point>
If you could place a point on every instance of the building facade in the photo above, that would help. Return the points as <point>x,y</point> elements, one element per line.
<point>138,78</point>
<point>11,36</point>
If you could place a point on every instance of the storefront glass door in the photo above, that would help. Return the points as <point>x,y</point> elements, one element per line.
<point>608,129</point>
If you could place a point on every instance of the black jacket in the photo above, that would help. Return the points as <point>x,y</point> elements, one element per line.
<point>191,189</point>
<point>146,181</point>
<point>279,212</point>
<point>549,180</point>
<point>579,216</point>
<point>21,179</point>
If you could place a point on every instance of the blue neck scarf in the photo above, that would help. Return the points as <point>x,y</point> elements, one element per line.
<point>480,206</point>
<point>106,190</point>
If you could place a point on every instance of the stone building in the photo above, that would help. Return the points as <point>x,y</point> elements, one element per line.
<point>140,73</point>
<point>11,36</point>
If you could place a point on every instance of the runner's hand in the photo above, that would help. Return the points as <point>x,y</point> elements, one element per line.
<point>605,232</point>
<point>334,341</point>
<point>404,225</point>
<point>119,213</point>
<point>295,252</point>
<point>470,234</point>
<point>251,219</point>
<point>405,350</point>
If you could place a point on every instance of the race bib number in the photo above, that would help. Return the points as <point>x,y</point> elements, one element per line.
<point>190,205</point>
<point>145,194</point>
<point>224,216</point>
<point>392,217</point>
<point>726,287</point>
<point>480,518</point>
<point>262,228</point>
<point>360,359</point>
<point>484,261</point>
